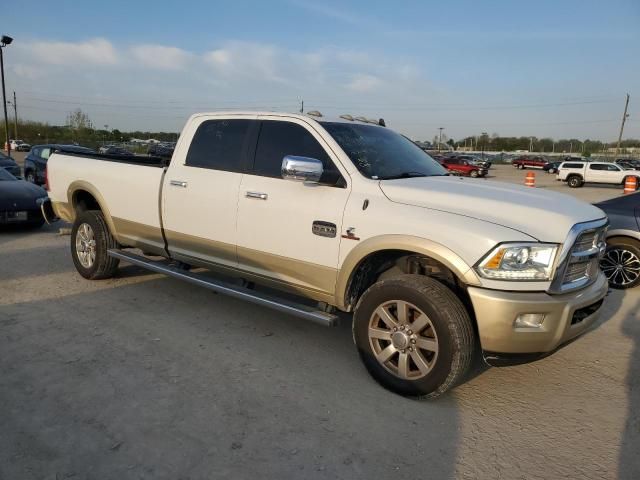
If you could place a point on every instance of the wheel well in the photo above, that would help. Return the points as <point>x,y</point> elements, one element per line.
<point>386,264</point>
<point>83,200</point>
<point>571,175</point>
<point>633,241</point>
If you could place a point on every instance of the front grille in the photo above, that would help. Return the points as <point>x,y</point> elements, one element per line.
<point>579,264</point>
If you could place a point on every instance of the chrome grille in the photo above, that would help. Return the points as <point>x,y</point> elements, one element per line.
<point>579,261</point>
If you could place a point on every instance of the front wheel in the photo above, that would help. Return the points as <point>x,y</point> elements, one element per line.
<point>621,263</point>
<point>90,242</point>
<point>474,173</point>
<point>413,335</point>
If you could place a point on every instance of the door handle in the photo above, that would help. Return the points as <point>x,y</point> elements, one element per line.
<point>178,183</point>
<point>258,195</point>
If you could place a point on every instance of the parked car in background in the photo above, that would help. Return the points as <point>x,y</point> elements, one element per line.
<point>160,150</point>
<point>576,174</point>
<point>472,159</point>
<point>19,201</point>
<point>19,146</point>
<point>552,167</point>
<point>527,161</point>
<point>104,148</point>
<point>9,164</point>
<point>628,164</point>
<point>458,166</point>
<point>35,163</point>
<point>119,151</point>
<point>621,261</point>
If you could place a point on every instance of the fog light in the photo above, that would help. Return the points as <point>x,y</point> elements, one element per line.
<point>529,320</point>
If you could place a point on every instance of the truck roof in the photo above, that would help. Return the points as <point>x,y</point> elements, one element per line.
<point>299,116</point>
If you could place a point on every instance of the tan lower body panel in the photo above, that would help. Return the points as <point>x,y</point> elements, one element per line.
<point>144,237</point>
<point>304,278</point>
<point>64,210</point>
<point>496,312</point>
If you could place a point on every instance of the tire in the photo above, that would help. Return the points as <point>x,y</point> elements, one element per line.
<point>520,166</point>
<point>621,263</point>
<point>474,174</point>
<point>437,355</point>
<point>90,240</point>
<point>575,181</point>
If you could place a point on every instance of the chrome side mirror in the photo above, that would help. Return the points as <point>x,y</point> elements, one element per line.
<point>301,169</point>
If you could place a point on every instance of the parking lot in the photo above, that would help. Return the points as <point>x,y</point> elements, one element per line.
<point>143,376</point>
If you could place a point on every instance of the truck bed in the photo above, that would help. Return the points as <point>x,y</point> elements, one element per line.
<point>144,160</point>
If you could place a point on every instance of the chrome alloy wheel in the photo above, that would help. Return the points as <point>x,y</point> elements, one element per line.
<point>403,339</point>
<point>621,266</point>
<point>86,245</point>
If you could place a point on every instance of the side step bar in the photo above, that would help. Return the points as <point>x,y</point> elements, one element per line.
<point>297,309</point>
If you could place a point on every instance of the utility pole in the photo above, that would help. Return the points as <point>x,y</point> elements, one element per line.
<point>624,119</point>
<point>301,106</point>
<point>15,117</point>
<point>6,40</point>
<point>440,137</point>
<point>530,144</point>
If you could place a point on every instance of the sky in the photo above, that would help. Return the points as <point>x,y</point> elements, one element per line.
<point>555,69</point>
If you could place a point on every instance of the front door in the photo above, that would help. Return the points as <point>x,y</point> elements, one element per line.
<point>200,192</point>
<point>289,231</point>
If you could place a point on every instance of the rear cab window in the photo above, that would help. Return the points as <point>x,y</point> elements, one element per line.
<point>219,145</point>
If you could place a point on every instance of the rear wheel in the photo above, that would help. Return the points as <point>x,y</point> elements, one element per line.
<point>621,263</point>
<point>520,166</point>
<point>575,181</point>
<point>413,335</point>
<point>90,241</point>
<point>474,173</point>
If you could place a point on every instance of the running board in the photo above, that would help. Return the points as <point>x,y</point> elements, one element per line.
<point>297,309</point>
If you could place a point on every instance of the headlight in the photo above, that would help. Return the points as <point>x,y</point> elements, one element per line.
<point>519,261</point>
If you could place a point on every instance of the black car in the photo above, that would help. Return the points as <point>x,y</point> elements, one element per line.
<point>628,164</point>
<point>119,151</point>
<point>9,164</point>
<point>19,201</point>
<point>552,167</point>
<point>621,262</point>
<point>159,150</point>
<point>36,162</point>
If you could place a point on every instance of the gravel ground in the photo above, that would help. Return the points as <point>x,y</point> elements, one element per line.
<point>145,377</point>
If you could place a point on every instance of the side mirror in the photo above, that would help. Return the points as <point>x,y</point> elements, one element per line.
<point>301,169</point>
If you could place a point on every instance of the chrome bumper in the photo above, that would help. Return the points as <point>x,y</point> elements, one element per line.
<point>47,210</point>
<point>565,317</point>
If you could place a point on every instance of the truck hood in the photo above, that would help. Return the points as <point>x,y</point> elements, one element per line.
<point>542,214</point>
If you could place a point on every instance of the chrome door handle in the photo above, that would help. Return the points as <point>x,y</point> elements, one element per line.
<point>258,195</point>
<point>178,183</point>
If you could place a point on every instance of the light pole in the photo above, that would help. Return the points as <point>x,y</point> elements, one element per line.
<point>440,137</point>
<point>4,41</point>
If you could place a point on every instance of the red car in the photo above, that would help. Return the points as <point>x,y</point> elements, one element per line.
<point>458,166</point>
<point>529,162</point>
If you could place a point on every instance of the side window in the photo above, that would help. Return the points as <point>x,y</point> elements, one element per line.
<point>597,167</point>
<point>572,165</point>
<point>36,152</point>
<point>45,153</point>
<point>613,168</point>
<point>279,139</point>
<point>219,145</point>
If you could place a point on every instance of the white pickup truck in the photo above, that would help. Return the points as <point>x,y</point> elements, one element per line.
<point>348,217</point>
<point>576,174</point>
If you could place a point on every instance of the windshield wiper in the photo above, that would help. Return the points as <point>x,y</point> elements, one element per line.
<point>402,175</point>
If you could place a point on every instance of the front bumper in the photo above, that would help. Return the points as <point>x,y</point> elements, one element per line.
<point>565,317</point>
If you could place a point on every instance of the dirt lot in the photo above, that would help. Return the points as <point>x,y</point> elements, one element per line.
<point>147,377</point>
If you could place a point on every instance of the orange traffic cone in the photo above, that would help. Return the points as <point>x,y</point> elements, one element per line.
<point>530,180</point>
<point>630,184</point>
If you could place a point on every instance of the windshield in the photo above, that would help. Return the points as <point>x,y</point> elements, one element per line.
<point>4,175</point>
<point>380,154</point>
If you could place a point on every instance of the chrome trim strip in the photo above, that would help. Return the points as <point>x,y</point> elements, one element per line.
<point>296,309</point>
<point>557,284</point>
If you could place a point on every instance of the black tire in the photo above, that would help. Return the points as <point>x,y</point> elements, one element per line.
<point>474,174</point>
<point>626,252</point>
<point>449,320</point>
<point>575,181</point>
<point>520,166</point>
<point>103,266</point>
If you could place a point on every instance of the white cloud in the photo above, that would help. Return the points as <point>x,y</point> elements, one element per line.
<point>364,83</point>
<point>161,57</point>
<point>97,51</point>
<point>28,71</point>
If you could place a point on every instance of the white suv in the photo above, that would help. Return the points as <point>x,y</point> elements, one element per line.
<point>576,174</point>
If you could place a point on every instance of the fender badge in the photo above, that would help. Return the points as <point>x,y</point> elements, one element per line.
<point>351,234</point>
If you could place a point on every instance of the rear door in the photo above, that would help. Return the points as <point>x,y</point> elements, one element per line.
<point>200,190</point>
<point>276,217</point>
